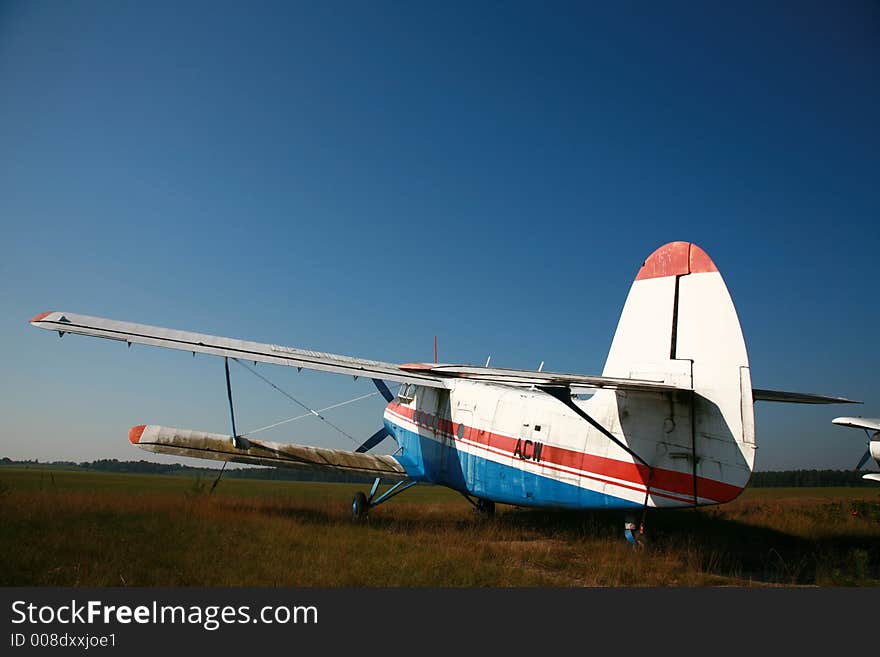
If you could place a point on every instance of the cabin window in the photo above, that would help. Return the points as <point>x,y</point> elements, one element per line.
<point>418,417</point>
<point>537,427</point>
<point>460,431</point>
<point>436,422</point>
<point>406,392</point>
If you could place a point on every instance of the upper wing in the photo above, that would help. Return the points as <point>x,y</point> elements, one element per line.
<point>871,424</point>
<point>203,445</point>
<point>426,374</point>
<point>798,397</point>
<point>99,327</point>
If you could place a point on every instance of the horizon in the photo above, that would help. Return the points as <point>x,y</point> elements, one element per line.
<point>209,465</point>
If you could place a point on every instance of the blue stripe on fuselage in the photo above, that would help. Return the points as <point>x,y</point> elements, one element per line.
<point>433,460</point>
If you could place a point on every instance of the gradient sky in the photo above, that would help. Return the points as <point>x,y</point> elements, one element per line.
<point>356,177</point>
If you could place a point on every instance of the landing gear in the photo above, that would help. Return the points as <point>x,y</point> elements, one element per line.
<point>486,508</point>
<point>635,533</point>
<point>361,504</point>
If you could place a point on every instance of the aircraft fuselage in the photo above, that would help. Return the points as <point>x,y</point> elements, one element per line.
<point>522,446</point>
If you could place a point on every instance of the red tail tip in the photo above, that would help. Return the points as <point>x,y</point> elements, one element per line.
<point>676,259</point>
<point>37,318</point>
<point>135,433</point>
<point>700,261</point>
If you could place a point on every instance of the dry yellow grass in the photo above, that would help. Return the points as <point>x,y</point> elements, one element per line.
<point>84,529</point>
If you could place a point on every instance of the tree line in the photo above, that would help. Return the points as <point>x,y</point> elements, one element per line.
<point>766,479</point>
<point>148,467</point>
<point>809,478</point>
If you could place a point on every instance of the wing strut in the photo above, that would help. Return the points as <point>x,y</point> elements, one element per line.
<point>235,441</point>
<point>235,438</point>
<point>383,390</point>
<point>382,433</point>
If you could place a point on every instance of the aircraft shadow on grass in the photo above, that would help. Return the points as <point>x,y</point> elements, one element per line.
<point>713,543</point>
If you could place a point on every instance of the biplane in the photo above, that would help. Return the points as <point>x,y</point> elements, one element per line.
<point>669,423</point>
<point>871,427</point>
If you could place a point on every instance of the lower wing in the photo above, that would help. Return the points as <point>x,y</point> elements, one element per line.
<point>203,445</point>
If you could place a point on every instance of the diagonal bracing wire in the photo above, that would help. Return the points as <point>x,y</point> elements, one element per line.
<point>304,415</point>
<point>296,401</point>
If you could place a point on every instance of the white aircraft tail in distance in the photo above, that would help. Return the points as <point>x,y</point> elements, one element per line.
<point>670,422</point>
<point>871,427</point>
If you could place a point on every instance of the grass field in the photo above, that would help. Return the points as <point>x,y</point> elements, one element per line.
<point>73,528</point>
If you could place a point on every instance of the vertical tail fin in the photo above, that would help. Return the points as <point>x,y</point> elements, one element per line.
<point>679,324</point>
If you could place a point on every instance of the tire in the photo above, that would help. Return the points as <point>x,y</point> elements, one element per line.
<point>359,506</point>
<point>486,508</point>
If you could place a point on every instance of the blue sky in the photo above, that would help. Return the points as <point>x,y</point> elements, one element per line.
<point>357,177</point>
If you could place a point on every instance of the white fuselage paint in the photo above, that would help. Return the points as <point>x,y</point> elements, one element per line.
<point>483,424</point>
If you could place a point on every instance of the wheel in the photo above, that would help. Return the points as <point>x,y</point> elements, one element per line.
<point>629,530</point>
<point>359,506</point>
<point>486,508</point>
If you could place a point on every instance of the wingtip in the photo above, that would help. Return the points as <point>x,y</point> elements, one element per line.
<point>858,422</point>
<point>135,433</point>
<point>40,317</point>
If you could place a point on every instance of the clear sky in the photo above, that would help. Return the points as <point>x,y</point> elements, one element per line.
<point>356,177</point>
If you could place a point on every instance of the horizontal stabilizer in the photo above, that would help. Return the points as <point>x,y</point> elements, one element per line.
<point>218,447</point>
<point>505,376</point>
<point>871,424</point>
<point>798,397</point>
<point>873,476</point>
